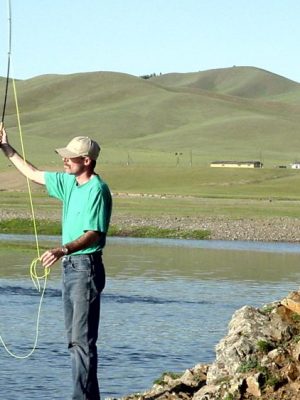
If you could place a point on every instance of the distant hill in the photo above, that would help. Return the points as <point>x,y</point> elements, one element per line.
<point>231,113</point>
<point>248,82</point>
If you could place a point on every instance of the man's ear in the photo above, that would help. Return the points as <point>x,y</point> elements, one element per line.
<point>87,161</point>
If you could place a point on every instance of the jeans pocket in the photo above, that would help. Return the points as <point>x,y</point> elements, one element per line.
<point>81,264</point>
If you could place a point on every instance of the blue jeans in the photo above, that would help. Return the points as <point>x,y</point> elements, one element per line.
<point>83,282</point>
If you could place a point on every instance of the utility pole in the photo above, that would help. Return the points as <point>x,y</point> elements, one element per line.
<point>177,154</point>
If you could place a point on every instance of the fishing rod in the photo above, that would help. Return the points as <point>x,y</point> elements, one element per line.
<point>8,63</point>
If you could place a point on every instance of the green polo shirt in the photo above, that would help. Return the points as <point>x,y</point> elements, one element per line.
<point>86,207</point>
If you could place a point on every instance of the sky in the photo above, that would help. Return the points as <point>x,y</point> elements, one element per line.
<point>142,37</point>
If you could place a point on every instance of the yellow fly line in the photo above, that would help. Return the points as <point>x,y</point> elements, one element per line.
<point>33,267</point>
<point>35,277</point>
<point>33,270</point>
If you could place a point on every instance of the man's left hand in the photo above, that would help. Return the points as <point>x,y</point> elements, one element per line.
<point>51,256</point>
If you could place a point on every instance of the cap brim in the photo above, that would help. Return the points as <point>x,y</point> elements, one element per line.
<point>65,153</point>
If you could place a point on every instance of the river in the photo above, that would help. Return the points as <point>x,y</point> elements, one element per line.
<point>166,305</point>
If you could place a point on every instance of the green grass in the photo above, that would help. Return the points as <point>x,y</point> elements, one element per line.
<point>25,226</point>
<point>204,182</point>
<point>47,227</point>
<point>161,379</point>
<point>161,233</point>
<point>248,365</point>
<point>207,207</point>
<point>229,396</point>
<point>179,192</point>
<point>265,346</point>
<point>296,317</point>
<point>200,182</point>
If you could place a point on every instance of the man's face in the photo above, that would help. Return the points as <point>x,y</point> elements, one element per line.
<point>75,166</point>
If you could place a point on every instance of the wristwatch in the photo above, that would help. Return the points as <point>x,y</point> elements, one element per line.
<point>65,250</point>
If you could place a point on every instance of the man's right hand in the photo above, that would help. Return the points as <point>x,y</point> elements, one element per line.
<point>25,167</point>
<point>1,132</point>
<point>3,135</point>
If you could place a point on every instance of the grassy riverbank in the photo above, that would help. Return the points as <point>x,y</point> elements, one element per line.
<point>46,227</point>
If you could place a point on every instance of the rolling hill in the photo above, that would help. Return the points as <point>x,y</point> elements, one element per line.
<point>230,113</point>
<point>246,82</point>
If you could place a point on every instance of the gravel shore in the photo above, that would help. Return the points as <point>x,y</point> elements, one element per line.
<point>267,230</point>
<point>282,229</point>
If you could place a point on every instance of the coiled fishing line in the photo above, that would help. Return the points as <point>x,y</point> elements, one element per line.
<point>41,289</point>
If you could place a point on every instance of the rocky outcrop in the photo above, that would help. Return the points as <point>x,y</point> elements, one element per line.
<point>259,358</point>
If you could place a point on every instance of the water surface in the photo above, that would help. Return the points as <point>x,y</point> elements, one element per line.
<point>165,306</point>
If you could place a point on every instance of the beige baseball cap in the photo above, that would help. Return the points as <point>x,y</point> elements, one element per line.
<point>80,146</point>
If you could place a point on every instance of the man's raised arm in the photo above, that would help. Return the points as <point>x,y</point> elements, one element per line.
<point>23,166</point>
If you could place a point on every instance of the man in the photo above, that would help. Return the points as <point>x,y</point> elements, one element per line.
<point>86,215</point>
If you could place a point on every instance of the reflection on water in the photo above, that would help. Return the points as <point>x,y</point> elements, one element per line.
<point>204,259</point>
<point>165,306</point>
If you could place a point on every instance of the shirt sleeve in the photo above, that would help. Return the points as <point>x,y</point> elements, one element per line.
<point>99,213</point>
<point>55,184</point>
